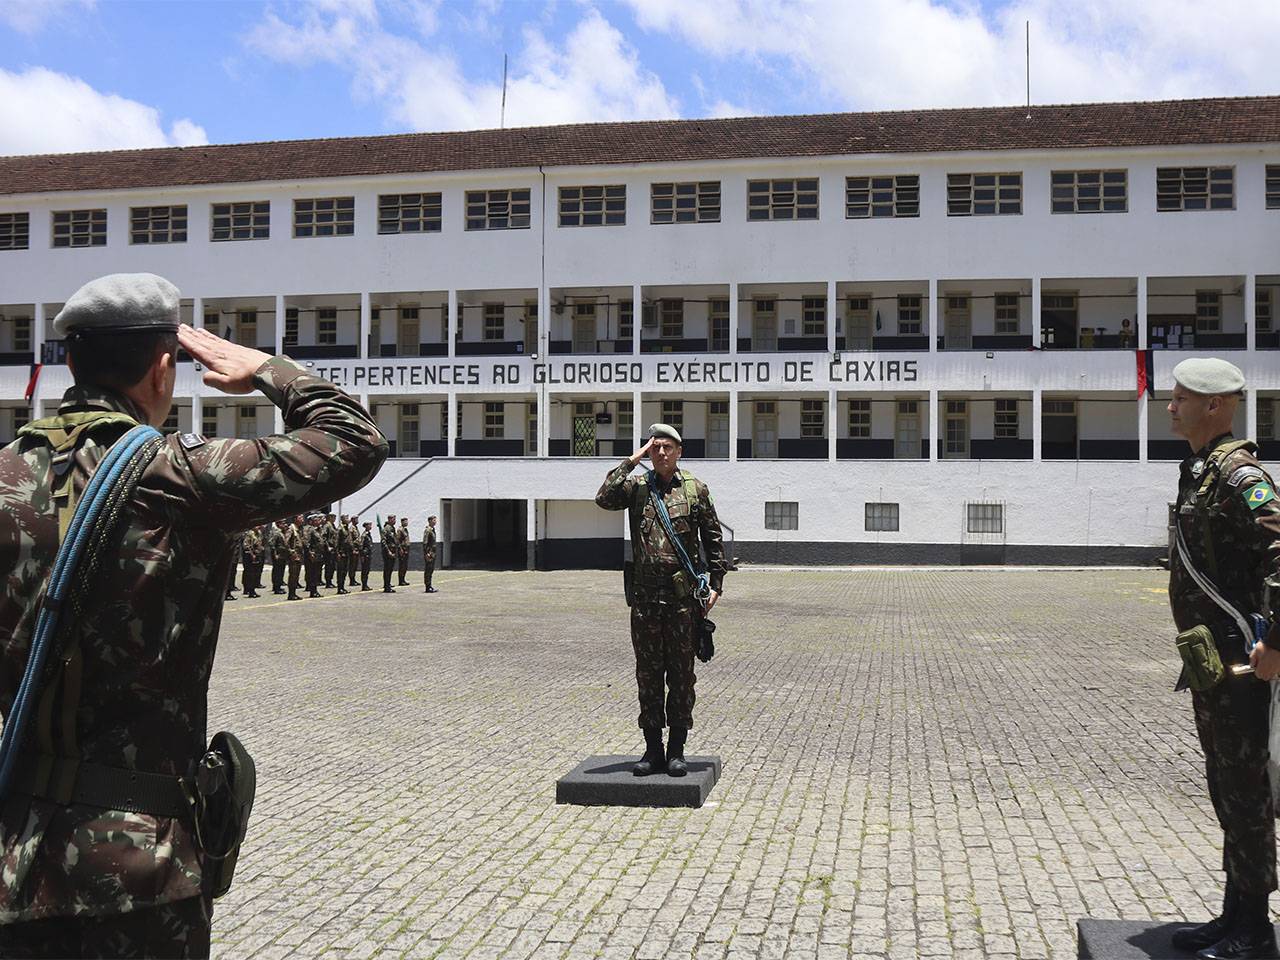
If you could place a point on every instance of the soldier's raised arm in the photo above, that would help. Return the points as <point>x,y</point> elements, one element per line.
<point>615,492</point>
<point>331,448</point>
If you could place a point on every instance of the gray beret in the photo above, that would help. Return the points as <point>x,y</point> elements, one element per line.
<point>120,303</point>
<point>665,430</point>
<point>1209,376</point>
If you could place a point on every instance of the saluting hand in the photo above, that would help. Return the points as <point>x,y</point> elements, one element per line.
<point>642,452</point>
<point>229,366</point>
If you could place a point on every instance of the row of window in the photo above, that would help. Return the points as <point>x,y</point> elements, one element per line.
<point>897,195</point>
<point>886,517</point>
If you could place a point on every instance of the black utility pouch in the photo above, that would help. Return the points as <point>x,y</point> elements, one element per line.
<point>706,646</point>
<point>226,781</point>
<point>629,581</point>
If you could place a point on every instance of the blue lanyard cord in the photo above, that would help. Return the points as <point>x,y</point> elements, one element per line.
<point>88,512</point>
<point>702,590</point>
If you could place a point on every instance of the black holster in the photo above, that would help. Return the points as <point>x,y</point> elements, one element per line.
<point>706,646</point>
<point>226,781</point>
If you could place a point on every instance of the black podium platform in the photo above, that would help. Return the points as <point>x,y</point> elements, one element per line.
<point>1128,940</point>
<point>608,781</point>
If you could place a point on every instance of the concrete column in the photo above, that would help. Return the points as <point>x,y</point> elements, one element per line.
<point>933,422</point>
<point>1141,321</point>
<point>544,323</point>
<point>37,347</point>
<point>453,328</point>
<point>531,534</point>
<point>832,409</point>
<point>1251,325</point>
<point>280,309</point>
<point>831,322</point>
<point>1251,413</point>
<point>1037,424</point>
<point>544,422</point>
<point>452,400</point>
<point>366,325</point>
<point>637,317</point>
<point>733,426</point>
<point>1035,312</point>
<point>933,315</point>
<point>733,323</point>
<point>1144,428</point>
<point>637,419</point>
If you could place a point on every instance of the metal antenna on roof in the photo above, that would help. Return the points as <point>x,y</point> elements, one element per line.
<point>1028,69</point>
<point>502,121</point>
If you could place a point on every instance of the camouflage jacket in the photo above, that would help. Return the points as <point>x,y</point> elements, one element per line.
<point>344,541</point>
<point>429,544</point>
<point>293,543</point>
<point>390,541</point>
<point>693,517</point>
<point>366,545</point>
<point>312,543</point>
<point>1230,521</point>
<point>148,651</point>
<point>403,541</point>
<point>329,533</point>
<point>277,545</point>
<point>251,546</point>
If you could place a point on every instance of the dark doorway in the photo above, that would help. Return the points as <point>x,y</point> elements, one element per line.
<point>488,534</point>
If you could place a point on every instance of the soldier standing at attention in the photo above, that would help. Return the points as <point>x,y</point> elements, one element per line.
<point>329,533</point>
<point>429,553</point>
<point>342,553</point>
<point>404,543</point>
<point>118,873</point>
<point>353,535</point>
<point>390,552</point>
<point>664,621</point>
<point>279,556</point>
<point>250,555</point>
<point>366,555</point>
<point>297,551</point>
<point>237,549</point>
<point>313,553</point>
<point>1229,524</point>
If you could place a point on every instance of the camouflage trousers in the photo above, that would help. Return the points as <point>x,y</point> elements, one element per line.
<point>278,568</point>
<point>352,562</point>
<point>179,929</point>
<point>1232,720</point>
<point>428,571</point>
<point>664,636</point>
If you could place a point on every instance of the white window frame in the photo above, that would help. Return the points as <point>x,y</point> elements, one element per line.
<point>909,327</point>
<point>22,330</point>
<point>408,422</point>
<point>882,195</point>
<point>409,213</point>
<point>813,314</point>
<point>1180,189</point>
<point>159,224</point>
<point>1089,191</point>
<point>74,229</point>
<point>1208,311</point>
<point>685,202</point>
<point>793,198</point>
<point>1006,418</point>
<point>15,230</point>
<point>1008,314</point>
<point>1273,186</point>
<point>813,418</point>
<point>881,517</point>
<point>671,318</point>
<point>503,209</point>
<point>859,417</point>
<point>984,518</point>
<point>495,322</point>
<point>327,326</point>
<point>970,195</point>
<point>593,206</point>
<point>315,217</point>
<point>495,420</point>
<point>239,220</point>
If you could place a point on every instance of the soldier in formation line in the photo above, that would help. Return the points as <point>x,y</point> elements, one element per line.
<point>403,543</point>
<point>429,554</point>
<point>390,552</point>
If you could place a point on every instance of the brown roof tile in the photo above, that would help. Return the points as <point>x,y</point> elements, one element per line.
<point>1165,123</point>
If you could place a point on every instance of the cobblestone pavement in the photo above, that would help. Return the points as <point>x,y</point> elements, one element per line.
<point>916,763</point>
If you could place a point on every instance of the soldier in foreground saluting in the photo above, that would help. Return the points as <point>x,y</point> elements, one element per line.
<point>666,608</point>
<point>99,851</point>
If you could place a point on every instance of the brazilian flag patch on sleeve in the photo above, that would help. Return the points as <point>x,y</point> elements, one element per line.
<point>1259,494</point>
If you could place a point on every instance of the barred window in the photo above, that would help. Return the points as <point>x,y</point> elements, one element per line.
<point>593,206</point>
<point>909,314</point>
<point>1208,311</point>
<point>80,228</point>
<point>672,314</point>
<point>985,517</point>
<point>1089,191</point>
<point>15,231</point>
<point>814,323</point>
<point>881,517</point>
<point>158,224</point>
<point>1273,188</point>
<point>673,414</point>
<point>1006,419</point>
<point>1263,300</point>
<point>327,325</point>
<point>1007,307</point>
<point>498,209</point>
<point>290,326</point>
<point>781,515</point>
<point>409,213</point>
<point>249,220</point>
<point>626,319</point>
<point>887,196</point>
<point>983,194</point>
<point>1266,418</point>
<point>860,419</point>
<point>685,202</point>
<point>782,199</point>
<point>813,418</point>
<point>626,419</point>
<point>495,321</point>
<point>209,420</point>
<point>495,415</point>
<point>1195,188</point>
<point>324,217</point>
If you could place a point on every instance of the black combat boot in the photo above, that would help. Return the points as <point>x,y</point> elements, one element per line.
<point>653,761</point>
<point>1249,936</point>
<point>1196,938</point>
<point>676,766</point>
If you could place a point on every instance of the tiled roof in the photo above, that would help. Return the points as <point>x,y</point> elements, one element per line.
<point>1165,123</point>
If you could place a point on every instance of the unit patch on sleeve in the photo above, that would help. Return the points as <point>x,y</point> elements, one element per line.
<point>190,441</point>
<point>1245,474</point>
<point>1259,494</point>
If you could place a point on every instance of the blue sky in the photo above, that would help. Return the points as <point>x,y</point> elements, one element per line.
<point>101,74</point>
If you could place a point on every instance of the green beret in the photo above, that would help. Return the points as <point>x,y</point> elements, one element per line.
<point>1209,376</point>
<point>121,303</point>
<point>665,430</point>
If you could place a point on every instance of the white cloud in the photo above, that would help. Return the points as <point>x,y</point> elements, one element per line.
<point>46,112</point>
<point>31,16</point>
<point>594,74</point>
<point>883,54</point>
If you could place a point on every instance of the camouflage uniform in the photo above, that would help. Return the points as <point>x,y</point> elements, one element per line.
<point>390,550</point>
<point>342,552</point>
<point>353,538</point>
<point>279,557</point>
<point>664,626</point>
<point>329,537</point>
<point>251,558</point>
<point>403,543</point>
<point>366,557</point>
<point>428,555</point>
<point>236,550</point>
<point>313,557</point>
<point>146,654</point>
<point>1235,543</point>
<point>293,542</point>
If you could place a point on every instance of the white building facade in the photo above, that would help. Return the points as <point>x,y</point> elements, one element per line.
<point>922,349</point>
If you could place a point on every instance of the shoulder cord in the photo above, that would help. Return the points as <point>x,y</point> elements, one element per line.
<point>702,590</point>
